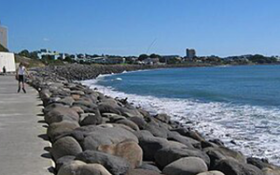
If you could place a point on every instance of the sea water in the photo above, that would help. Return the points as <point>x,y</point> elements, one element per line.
<point>238,104</point>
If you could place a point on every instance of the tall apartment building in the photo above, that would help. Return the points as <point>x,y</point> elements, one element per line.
<point>190,53</point>
<point>4,36</point>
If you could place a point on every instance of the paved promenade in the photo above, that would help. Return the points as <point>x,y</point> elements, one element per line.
<point>21,147</point>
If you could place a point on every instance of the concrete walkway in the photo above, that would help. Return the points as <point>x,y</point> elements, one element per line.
<point>22,150</point>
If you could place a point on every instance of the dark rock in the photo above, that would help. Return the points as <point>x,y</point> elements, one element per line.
<point>150,166</point>
<point>60,128</point>
<point>163,118</point>
<point>128,123</point>
<point>115,165</point>
<point>66,146</point>
<point>218,153</point>
<point>63,161</point>
<point>91,118</point>
<point>166,156</point>
<point>233,167</point>
<point>61,113</point>
<point>140,122</point>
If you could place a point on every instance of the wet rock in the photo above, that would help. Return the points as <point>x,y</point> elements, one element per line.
<point>232,167</point>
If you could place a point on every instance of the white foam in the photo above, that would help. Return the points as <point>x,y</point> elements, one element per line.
<point>254,129</point>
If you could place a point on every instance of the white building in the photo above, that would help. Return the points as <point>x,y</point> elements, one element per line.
<point>7,60</point>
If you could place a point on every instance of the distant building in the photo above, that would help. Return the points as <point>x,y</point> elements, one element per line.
<point>4,36</point>
<point>43,53</point>
<point>190,54</point>
<point>7,60</point>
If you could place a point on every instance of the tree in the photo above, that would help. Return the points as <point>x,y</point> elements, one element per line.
<point>155,56</point>
<point>142,57</point>
<point>24,53</point>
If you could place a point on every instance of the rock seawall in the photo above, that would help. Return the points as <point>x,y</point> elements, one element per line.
<point>94,134</point>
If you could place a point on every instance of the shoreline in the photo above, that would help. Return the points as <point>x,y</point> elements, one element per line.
<point>161,126</point>
<point>229,140</point>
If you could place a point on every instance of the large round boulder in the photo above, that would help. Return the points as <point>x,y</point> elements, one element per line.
<point>59,128</point>
<point>166,156</point>
<point>128,150</point>
<point>211,173</point>
<point>81,168</point>
<point>61,113</point>
<point>186,166</point>
<point>233,167</point>
<point>66,146</point>
<point>107,136</point>
<point>115,165</point>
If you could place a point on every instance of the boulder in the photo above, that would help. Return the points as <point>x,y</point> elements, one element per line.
<point>166,156</point>
<point>115,165</point>
<point>113,117</point>
<point>59,128</point>
<point>150,145</point>
<point>66,146</point>
<point>189,142</point>
<point>67,101</point>
<point>81,168</point>
<point>218,153</point>
<point>142,172</point>
<point>211,173</point>
<point>61,113</point>
<point>128,150</point>
<point>140,122</point>
<point>128,123</point>
<point>231,166</point>
<point>163,118</point>
<point>186,166</point>
<point>107,136</point>
<point>107,108</point>
<point>271,171</point>
<point>78,109</point>
<point>189,133</point>
<point>91,118</point>
<point>149,166</point>
<point>157,130</point>
<point>63,161</point>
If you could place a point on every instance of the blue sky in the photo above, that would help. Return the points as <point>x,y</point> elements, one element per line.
<point>127,27</point>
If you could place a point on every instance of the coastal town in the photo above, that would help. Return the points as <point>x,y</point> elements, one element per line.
<point>47,56</point>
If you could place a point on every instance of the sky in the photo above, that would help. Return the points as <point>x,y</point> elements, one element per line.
<point>130,27</point>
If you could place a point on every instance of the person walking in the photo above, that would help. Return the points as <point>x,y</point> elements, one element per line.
<point>20,76</point>
<point>4,70</point>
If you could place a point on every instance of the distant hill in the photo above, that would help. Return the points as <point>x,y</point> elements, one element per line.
<point>3,49</point>
<point>28,61</point>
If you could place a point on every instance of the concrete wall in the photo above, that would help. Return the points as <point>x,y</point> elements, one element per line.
<point>7,60</point>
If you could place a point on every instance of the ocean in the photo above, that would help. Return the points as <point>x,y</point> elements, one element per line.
<point>239,105</point>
